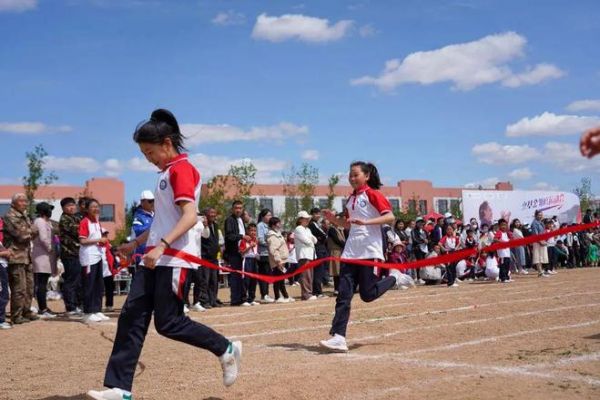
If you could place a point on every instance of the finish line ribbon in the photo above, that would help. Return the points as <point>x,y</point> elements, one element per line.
<point>443,259</point>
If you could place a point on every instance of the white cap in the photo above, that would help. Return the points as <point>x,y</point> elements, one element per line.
<point>147,195</point>
<point>448,215</point>
<point>303,214</point>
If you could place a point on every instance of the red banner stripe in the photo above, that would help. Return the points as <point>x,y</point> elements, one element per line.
<point>443,259</point>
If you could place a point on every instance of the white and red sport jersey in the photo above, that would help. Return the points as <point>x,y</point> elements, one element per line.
<point>365,241</point>
<point>179,181</point>
<point>503,237</point>
<point>90,254</point>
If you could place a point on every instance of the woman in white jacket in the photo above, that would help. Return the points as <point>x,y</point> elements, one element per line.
<point>305,252</point>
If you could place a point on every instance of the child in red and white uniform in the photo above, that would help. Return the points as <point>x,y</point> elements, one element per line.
<point>157,287</point>
<point>503,235</point>
<point>450,243</point>
<point>367,210</point>
<point>90,257</point>
<point>109,270</point>
<point>249,252</point>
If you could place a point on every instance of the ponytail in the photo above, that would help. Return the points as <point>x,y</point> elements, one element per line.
<point>370,169</point>
<point>162,125</point>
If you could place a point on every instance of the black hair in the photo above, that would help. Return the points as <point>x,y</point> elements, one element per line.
<point>43,212</point>
<point>374,181</point>
<point>82,201</point>
<point>66,201</point>
<point>537,212</point>
<point>88,202</point>
<point>486,225</point>
<point>501,221</point>
<point>236,202</point>
<point>262,213</point>
<point>251,225</point>
<point>162,125</point>
<point>315,210</point>
<point>274,221</point>
<point>513,223</point>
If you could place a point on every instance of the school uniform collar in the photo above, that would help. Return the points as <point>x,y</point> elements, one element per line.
<point>360,190</point>
<point>176,159</point>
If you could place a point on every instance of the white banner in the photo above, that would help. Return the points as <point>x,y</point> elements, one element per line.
<point>488,206</point>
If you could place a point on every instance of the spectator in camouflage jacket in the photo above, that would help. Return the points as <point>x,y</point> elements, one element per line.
<point>18,235</point>
<point>69,254</point>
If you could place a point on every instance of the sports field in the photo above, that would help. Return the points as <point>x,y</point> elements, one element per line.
<point>531,339</point>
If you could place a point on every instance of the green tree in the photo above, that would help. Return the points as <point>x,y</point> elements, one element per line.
<point>125,231</point>
<point>584,192</point>
<point>332,183</point>
<point>215,198</point>
<point>37,174</point>
<point>456,209</point>
<point>292,206</point>
<point>308,178</point>
<point>245,179</point>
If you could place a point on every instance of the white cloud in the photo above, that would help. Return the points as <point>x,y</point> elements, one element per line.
<point>549,124</point>
<point>545,186</point>
<point>488,183</point>
<point>567,157</point>
<point>367,31</point>
<point>228,18</point>
<point>113,167</point>
<point>140,165</point>
<point>584,105</point>
<point>466,65</point>
<point>311,155</point>
<point>268,169</point>
<point>200,133</point>
<point>495,153</point>
<point>299,27</point>
<point>72,164</point>
<point>533,76</point>
<point>521,174</point>
<point>17,5</point>
<point>32,128</point>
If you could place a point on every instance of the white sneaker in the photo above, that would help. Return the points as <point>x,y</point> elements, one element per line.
<point>291,299</point>
<point>186,309</point>
<point>231,363</point>
<point>454,285</point>
<point>255,303</point>
<point>296,284</point>
<point>337,344</point>
<point>267,299</point>
<point>91,318</point>
<point>553,272</point>
<point>34,309</point>
<point>102,316</point>
<point>311,298</point>
<point>74,315</point>
<point>245,304</point>
<point>282,300</point>
<point>420,282</point>
<point>198,307</point>
<point>402,287</point>
<point>47,315</point>
<point>525,272</point>
<point>5,325</point>
<point>110,394</point>
<point>320,296</point>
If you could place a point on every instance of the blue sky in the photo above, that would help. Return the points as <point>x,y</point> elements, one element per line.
<point>457,92</point>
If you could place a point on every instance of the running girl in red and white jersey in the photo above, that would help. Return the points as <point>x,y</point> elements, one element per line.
<point>366,210</point>
<point>157,286</point>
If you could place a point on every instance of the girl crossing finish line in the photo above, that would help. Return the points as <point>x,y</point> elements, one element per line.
<point>158,286</point>
<point>366,210</point>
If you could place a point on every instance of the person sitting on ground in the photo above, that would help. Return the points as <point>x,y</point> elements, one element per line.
<point>432,275</point>
<point>562,253</point>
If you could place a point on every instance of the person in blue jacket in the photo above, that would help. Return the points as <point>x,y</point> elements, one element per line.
<point>142,219</point>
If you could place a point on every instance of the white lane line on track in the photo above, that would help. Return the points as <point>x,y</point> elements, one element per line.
<point>418,294</point>
<point>404,316</point>
<point>476,342</point>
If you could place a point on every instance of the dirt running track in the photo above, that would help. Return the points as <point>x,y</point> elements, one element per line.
<point>531,339</point>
